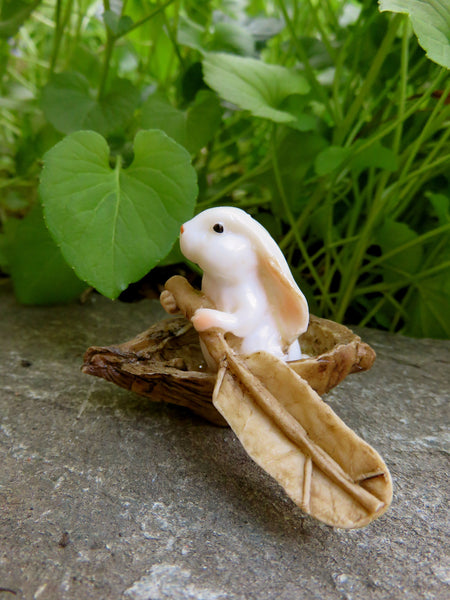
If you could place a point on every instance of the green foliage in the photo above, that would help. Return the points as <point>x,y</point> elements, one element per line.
<point>39,273</point>
<point>430,306</point>
<point>69,104</point>
<point>193,128</point>
<point>331,159</point>
<point>325,120</point>
<point>114,225</point>
<point>253,85</point>
<point>13,13</point>
<point>431,22</point>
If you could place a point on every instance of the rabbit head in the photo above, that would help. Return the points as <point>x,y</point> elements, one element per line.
<point>227,243</point>
<point>218,243</point>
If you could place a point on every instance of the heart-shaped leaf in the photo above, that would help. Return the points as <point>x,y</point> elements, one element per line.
<point>114,225</point>
<point>69,104</point>
<point>39,273</point>
<point>430,20</point>
<point>253,85</point>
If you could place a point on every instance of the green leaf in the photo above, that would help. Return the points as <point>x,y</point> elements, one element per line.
<point>190,34</point>
<point>4,263</point>
<point>391,236</point>
<point>253,85</point>
<point>265,28</point>
<point>174,257</point>
<point>428,308</point>
<point>225,36</point>
<point>441,206</point>
<point>229,36</point>
<point>116,24</point>
<point>13,13</point>
<point>39,273</point>
<point>295,104</point>
<point>374,156</point>
<point>430,20</point>
<point>331,159</point>
<point>87,62</point>
<point>113,226</point>
<point>295,153</point>
<point>204,118</point>
<point>192,128</point>
<point>6,242</point>
<point>158,113</point>
<point>69,104</point>
<point>320,223</point>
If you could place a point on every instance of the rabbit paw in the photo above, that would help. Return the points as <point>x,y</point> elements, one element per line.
<point>168,302</point>
<point>205,318</point>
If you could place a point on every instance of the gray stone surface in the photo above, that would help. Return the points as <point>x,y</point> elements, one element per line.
<point>106,495</point>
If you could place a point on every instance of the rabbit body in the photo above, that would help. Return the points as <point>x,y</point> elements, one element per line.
<point>243,310</point>
<point>231,248</point>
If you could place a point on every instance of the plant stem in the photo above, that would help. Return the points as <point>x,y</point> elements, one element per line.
<point>424,133</point>
<point>290,217</point>
<point>323,34</point>
<point>233,185</point>
<point>409,112</point>
<point>173,40</point>
<point>363,93</point>
<point>408,279</point>
<point>419,240</point>
<point>303,57</point>
<point>387,297</point>
<point>416,178</point>
<point>374,311</point>
<point>60,25</point>
<point>57,37</point>
<point>313,202</point>
<point>403,86</point>
<point>110,41</point>
<point>106,64</point>
<point>335,244</point>
<point>154,12</point>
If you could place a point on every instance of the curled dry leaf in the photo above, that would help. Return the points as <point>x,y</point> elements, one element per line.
<point>274,408</point>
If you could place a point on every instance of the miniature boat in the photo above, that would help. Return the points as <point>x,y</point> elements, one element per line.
<point>165,363</point>
<point>273,407</point>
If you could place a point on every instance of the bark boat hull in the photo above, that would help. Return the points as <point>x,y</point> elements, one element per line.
<point>165,363</point>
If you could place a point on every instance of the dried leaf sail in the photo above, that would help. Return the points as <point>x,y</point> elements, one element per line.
<point>284,426</point>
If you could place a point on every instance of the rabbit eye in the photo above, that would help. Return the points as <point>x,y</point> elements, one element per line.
<point>218,228</point>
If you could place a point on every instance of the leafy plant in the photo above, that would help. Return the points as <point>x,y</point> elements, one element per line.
<point>112,224</point>
<point>325,120</point>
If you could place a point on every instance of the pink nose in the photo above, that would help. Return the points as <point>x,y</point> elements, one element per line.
<point>182,229</point>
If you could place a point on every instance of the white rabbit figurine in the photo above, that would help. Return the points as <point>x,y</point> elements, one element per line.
<point>248,279</point>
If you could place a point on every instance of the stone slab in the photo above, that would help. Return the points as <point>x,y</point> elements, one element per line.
<point>106,495</point>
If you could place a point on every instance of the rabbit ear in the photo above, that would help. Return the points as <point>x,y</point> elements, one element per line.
<point>290,308</point>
